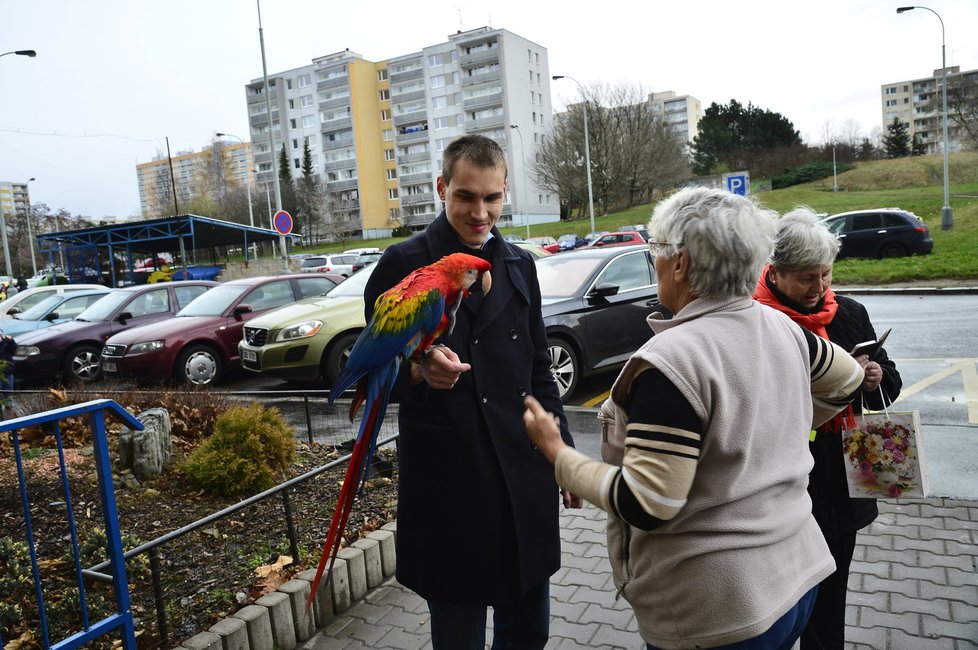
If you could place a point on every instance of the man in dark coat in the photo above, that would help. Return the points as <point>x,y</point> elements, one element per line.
<point>477,507</point>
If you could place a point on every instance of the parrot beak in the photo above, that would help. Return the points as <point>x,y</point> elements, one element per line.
<point>486,283</point>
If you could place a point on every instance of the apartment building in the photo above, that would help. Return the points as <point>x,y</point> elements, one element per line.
<point>208,170</point>
<point>917,104</point>
<point>14,198</point>
<point>377,129</point>
<point>682,112</point>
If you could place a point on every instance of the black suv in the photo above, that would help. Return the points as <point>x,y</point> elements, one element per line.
<point>883,232</point>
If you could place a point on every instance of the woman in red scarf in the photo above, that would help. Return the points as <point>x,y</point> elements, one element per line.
<point>797,282</point>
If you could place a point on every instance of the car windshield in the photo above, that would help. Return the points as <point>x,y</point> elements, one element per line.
<point>354,286</point>
<point>214,302</point>
<point>103,309</point>
<point>311,262</point>
<point>562,276</point>
<point>567,238</point>
<point>37,311</point>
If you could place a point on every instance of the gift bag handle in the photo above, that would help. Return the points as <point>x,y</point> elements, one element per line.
<point>862,398</point>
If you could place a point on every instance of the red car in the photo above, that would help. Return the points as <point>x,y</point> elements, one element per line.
<point>623,238</point>
<point>548,244</point>
<point>200,343</point>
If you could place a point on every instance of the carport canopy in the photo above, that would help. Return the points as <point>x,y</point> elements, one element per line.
<point>137,239</point>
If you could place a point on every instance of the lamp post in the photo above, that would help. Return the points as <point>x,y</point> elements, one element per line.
<point>251,214</point>
<point>523,177</point>
<point>947,219</point>
<point>30,232</point>
<point>587,148</point>
<point>3,220</point>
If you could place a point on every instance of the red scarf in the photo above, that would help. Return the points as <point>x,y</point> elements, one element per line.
<point>815,323</point>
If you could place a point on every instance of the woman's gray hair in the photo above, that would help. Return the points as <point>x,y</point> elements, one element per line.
<point>803,242</point>
<point>729,238</point>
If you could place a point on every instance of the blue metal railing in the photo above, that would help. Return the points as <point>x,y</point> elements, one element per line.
<point>122,618</point>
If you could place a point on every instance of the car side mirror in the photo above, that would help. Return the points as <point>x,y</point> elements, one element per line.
<point>52,316</point>
<point>13,311</point>
<point>242,309</point>
<point>124,316</point>
<point>603,290</point>
<point>598,243</point>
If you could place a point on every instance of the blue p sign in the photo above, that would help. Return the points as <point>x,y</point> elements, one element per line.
<point>737,184</point>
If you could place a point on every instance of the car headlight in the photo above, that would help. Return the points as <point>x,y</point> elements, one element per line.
<point>146,346</point>
<point>299,331</point>
<point>27,350</point>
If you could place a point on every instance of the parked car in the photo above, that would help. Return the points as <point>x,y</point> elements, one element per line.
<point>339,264</point>
<point>361,251</point>
<point>73,350</point>
<point>570,241</point>
<point>512,238</point>
<point>595,306</point>
<point>621,238</point>
<point>55,308</point>
<point>591,236</point>
<point>882,232</point>
<point>534,249</point>
<point>548,244</point>
<point>200,344</point>
<point>310,340</point>
<point>24,300</point>
<point>366,259</point>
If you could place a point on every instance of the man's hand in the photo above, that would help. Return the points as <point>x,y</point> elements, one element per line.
<point>571,500</point>
<point>441,368</point>
<point>873,373</point>
<point>542,428</point>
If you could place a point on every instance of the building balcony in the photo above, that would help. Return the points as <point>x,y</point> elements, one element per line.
<point>343,185</point>
<point>407,75</point>
<point>262,118</point>
<point>408,96</point>
<point>418,219</point>
<point>480,79</point>
<point>336,102</point>
<point>337,124</point>
<point>337,165</point>
<point>335,82</point>
<point>477,58</point>
<point>414,136</point>
<point>410,118</point>
<point>414,179</point>
<point>413,157</point>
<point>414,199</point>
<point>339,143</point>
<point>495,99</point>
<point>485,123</point>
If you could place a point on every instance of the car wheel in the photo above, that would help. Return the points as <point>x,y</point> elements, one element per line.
<point>336,357</point>
<point>199,365</point>
<point>893,250</point>
<point>83,364</point>
<point>564,366</point>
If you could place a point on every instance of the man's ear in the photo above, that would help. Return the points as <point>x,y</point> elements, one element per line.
<point>442,188</point>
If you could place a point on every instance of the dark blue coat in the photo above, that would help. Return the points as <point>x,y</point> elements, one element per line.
<point>477,519</point>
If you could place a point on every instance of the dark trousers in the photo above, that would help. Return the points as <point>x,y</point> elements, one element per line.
<point>780,636</point>
<point>524,625</point>
<point>826,628</point>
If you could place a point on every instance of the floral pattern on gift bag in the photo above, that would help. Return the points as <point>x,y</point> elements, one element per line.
<point>884,456</point>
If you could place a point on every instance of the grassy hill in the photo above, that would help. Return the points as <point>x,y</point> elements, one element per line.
<point>914,184</point>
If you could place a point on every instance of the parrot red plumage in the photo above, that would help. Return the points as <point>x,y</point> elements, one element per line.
<point>407,319</point>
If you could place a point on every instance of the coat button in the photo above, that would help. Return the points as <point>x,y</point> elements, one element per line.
<point>475,341</point>
<point>512,334</point>
<point>482,396</point>
<point>522,391</point>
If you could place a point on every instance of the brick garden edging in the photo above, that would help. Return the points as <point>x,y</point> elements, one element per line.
<point>276,621</point>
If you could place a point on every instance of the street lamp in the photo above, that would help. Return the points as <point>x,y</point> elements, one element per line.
<point>947,219</point>
<point>30,53</point>
<point>3,220</point>
<point>251,214</point>
<point>523,177</point>
<point>271,135</point>
<point>587,147</point>
<point>30,233</point>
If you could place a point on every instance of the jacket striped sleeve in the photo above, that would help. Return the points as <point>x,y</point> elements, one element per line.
<point>836,378</point>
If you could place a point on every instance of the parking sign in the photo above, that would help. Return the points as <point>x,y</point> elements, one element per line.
<point>737,182</point>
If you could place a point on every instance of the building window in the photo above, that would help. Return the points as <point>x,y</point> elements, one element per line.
<point>295,143</point>
<point>439,102</point>
<point>385,115</point>
<point>388,135</point>
<point>537,56</point>
<point>891,90</point>
<point>388,154</point>
<point>305,81</point>
<point>288,84</point>
<point>540,199</point>
<point>392,193</point>
<point>391,174</point>
<point>444,122</point>
<point>306,101</point>
<point>382,74</point>
<point>529,56</point>
<point>534,117</point>
<point>297,163</point>
<point>292,122</point>
<point>265,167</point>
<point>385,95</point>
<point>394,214</point>
<point>291,103</point>
<point>308,121</point>
<point>438,81</point>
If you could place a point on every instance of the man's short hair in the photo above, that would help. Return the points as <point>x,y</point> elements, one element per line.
<point>478,150</point>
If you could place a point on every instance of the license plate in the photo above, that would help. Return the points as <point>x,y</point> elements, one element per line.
<point>248,355</point>
<point>108,366</point>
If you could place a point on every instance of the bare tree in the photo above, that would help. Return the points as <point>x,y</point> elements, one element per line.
<point>962,108</point>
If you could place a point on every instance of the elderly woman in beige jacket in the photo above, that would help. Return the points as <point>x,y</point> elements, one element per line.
<point>710,531</point>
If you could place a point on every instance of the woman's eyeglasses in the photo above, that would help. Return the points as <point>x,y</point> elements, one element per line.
<point>659,247</point>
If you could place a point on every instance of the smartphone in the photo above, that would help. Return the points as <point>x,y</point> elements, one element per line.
<point>870,348</point>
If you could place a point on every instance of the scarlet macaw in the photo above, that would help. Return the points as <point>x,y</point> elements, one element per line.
<point>407,319</point>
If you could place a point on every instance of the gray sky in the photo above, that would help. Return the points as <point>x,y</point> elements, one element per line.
<point>113,78</point>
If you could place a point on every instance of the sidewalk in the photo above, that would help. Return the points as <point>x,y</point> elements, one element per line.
<point>913,585</point>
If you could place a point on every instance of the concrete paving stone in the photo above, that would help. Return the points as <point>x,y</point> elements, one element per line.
<point>369,633</point>
<point>957,577</point>
<point>559,575</point>
<point>878,529</point>
<point>900,639</point>
<point>323,642</point>
<point>580,633</point>
<point>337,626</point>
<point>878,569</point>
<point>964,594</point>
<point>583,563</point>
<point>567,611</point>
<point>878,600</point>
<point>608,635</point>
<point>569,534</point>
<point>906,587</point>
<point>258,625</point>
<point>904,507</point>
<point>408,621</point>
<point>233,633</point>
<point>378,594</point>
<point>875,554</point>
<point>369,612</point>
<point>912,544</point>
<point>937,575</point>
<point>957,548</point>
<point>584,579</point>
<point>592,537</point>
<point>909,623</point>
<point>859,553</point>
<point>403,640</point>
<point>597,550</point>
<point>963,535</point>
<point>954,523</point>
<point>964,612</point>
<point>602,597</point>
<point>900,604</point>
<point>616,618</point>
<point>938,629</point>
<point>598,524</point>
<point>963,562</point>
<point>923,522</point>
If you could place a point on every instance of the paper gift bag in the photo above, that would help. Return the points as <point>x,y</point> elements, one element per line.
<point>884,456</point>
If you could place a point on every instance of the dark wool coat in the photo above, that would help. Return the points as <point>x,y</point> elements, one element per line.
<point>477,519</point>
<point>836,512</point>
